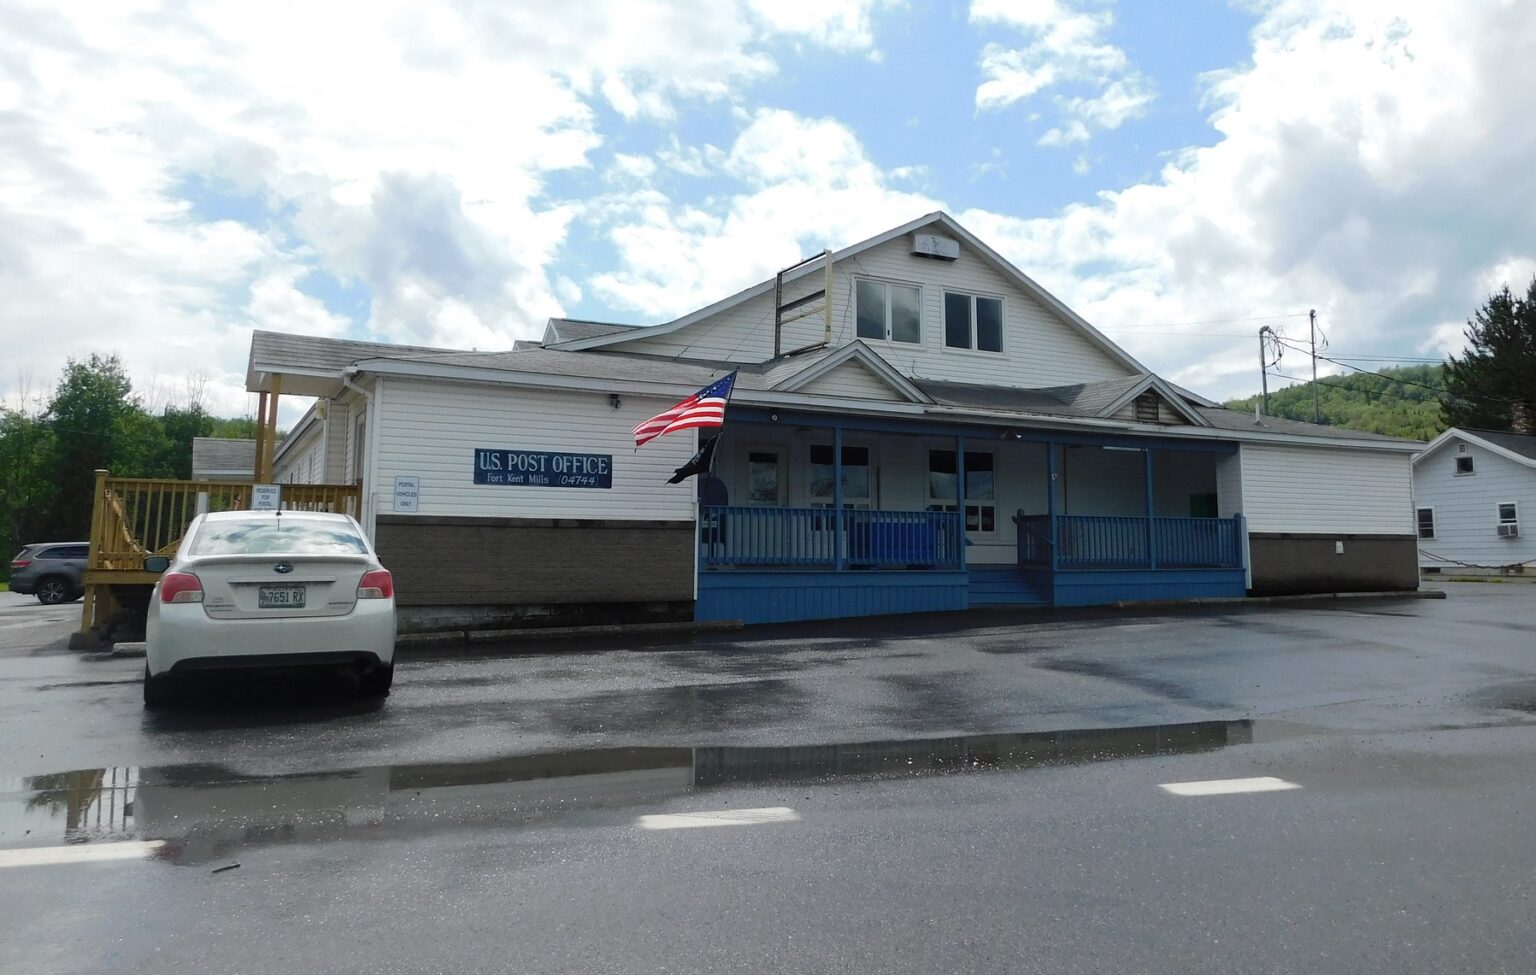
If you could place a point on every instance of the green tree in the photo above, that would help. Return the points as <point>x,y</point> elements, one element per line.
<point>1499,367</point>
<point>96,423</point>
<point>1403,401</point>
<point>26,443</point>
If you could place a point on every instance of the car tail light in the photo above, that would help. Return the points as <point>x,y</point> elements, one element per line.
<point>378,584</point>
<point>180,587</point>
<point>20,563</point>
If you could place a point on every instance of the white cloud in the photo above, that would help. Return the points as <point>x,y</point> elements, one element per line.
<point>1373,163</point>
<point>806,183</point>
<point>405,148</point>
<point>1064,46</point>
<point>843,25</point>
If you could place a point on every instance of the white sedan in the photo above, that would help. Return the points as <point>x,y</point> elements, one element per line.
<point>270,589</point>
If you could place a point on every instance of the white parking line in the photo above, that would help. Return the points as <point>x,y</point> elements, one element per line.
<point>1228,787</point>
<point>43,856</point>
<point>719,817</point>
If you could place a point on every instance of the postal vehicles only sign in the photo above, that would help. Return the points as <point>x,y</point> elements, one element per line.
<point>542,468</point>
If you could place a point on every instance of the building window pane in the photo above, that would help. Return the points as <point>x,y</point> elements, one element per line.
<point>869,305</point>
<point>906,315</point>
<point>1426,522</point>
<point>941,475</point>
<point>957,321</point>
<point>856,476</point>
<point>762,478</point>
<point>978,477</point>
<point>1507,513</point>
<point>980,516</point>
<point>989,324</point>
<point>1464,465</point>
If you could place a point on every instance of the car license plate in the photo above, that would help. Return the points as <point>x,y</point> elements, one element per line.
<point>280,597</point>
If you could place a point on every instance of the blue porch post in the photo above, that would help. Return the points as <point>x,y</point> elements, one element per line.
<point>1151,515</point>
<point>837,497</point>
<point>1050,496</point>
<point>960,492</point>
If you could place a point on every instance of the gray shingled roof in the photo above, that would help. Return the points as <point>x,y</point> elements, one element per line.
<point>571,329</point>
<point>1240,420</point>
<point>1517,443</point>
<point>217,455</point>
<point>286,350</point>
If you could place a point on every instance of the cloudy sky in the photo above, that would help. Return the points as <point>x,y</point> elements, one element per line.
<point>455,173</point>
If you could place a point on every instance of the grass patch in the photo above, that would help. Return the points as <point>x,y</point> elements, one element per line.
<point>5,587</point>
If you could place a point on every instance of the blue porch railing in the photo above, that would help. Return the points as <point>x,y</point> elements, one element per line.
<point>739,535</point>
<point>1112,542</point>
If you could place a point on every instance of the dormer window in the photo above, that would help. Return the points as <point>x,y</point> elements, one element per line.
<point>1146,408</point>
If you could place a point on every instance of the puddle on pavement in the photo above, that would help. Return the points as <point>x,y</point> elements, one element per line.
<point>206,813</point>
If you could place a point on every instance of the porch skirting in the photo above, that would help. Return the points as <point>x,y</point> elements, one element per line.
<point>783,596</point>
<point>1086,587</point>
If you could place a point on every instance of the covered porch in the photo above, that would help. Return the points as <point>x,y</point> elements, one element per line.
<point>810,516</point>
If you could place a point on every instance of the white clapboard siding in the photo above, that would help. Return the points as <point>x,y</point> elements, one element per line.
<point>852,380</point>
<point>1318,490</point>
<point>431,430</point>
<point>1466,507</point>
<point>1039,347</point>
<point>299,458</point>
<point>337,420</point>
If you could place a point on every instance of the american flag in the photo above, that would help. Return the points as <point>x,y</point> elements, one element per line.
<point>706,408</point>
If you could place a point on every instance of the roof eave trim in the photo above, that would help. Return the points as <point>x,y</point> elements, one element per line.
<point>855,351</point>
<point>1487,445</point>
<point>1173,399</point>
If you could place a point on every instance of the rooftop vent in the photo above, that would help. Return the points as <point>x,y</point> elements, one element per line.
<point>936,247</point>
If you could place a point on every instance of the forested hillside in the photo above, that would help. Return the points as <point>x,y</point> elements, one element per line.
<point>1385,402</point>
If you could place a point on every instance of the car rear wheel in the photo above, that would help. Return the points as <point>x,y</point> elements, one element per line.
<point>375,682</point>
<point>53,590</point>
<point>158,691</point>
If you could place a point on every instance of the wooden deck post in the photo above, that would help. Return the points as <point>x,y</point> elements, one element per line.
<point>90,599</point>
<point>261,438</point>
<point>264,475</point>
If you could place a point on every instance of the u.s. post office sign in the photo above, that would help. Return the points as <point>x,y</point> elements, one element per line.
<point>543,468</point>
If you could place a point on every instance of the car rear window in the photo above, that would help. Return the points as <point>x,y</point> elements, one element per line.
<point>277,536</point>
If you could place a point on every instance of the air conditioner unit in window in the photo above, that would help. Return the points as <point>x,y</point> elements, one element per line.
<point>1509,531</point>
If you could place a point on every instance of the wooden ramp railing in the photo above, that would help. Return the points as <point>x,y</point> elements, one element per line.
<point>134,517</point>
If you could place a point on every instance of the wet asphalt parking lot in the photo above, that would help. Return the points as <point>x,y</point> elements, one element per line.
<point>1012,792</point>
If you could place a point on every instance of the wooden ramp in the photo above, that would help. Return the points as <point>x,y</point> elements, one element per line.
<point>133,518</point>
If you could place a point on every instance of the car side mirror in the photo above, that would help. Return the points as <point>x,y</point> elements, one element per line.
<point>157,563</point>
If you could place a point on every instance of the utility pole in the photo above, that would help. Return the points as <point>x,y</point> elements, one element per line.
<point>1317,414</point>
<point>1264,365</point>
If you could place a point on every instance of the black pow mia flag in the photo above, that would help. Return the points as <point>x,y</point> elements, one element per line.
<point>700,463</point>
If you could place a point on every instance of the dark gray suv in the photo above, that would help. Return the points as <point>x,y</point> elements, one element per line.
<point>53,571</point>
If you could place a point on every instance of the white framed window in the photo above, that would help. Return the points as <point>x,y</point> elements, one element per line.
<point>858,476</point>
<point>973,322</point>
<point>1509,519</point>
<point>893,312</point>
<point>980,509</point>
<point>1426,522</point>
<point>1464,465</point>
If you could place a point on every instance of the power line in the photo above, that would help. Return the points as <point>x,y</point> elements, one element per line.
<point>1385,358</point>
<point>1211,321</point>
